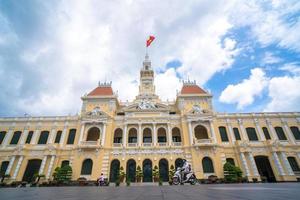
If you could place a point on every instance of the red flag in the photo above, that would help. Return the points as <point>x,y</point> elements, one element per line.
<point>150,40</point>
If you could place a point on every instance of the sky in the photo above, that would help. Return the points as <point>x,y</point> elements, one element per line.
<point>244,52</point>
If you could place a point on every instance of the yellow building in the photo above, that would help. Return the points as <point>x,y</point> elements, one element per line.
<point>148,132</point>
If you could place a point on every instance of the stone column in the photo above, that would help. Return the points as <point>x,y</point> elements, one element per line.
<point>35,136</point>
<point>286,164</point>
<point>245,165</point>
<point>212,130</point>
<point>103,135</point>
<point>244,135</point>
<point>63,135</point>
<point>272,130</point>
<point>17,167</point>
<point>10,165</point>
<point>82,133</point>
<point>169,135</point>
<point>259,130</point>
<point>288,132</point>
<point>50,167</point>
<point>125,135</point>
<point>253,164</point>
<point>191,133</point>
<point>8,136</point>
<point>41,171</point>
<point>154,134</point>
<point>230,130</point>
<point>52,135</point>
<point>278,164</point>
<point>24,136</point>
<point>140,135</point>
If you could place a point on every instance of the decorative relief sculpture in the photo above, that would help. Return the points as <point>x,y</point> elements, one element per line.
<point>145,105</point>
<point>95,112</point>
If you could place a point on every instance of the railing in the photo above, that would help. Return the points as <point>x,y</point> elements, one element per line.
<point>147,144</point>
<point>204,141</point>
<point>162,144</point>
<point>132,144</point>
<point>117,144</point>
<point>176,144</point>
<point>89,143</point>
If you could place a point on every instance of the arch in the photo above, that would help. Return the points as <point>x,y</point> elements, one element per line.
<point>87,166</point>
<point>130,170</point>
<point>93,134</point>
<point>114,170</point>
<point>65,163</point>
<point>208,166</point>
<point>132,135</point>
<point>118,134</point>
<point>293,163</point>
<point>147,170</point>
<point>43,137</point>
<point>264,168</point>
<point>230,160</point>
<point>200,132</point>
<point>16,137</point>
<point>163,170</point>
<point>176,136</point>
<point>33,167</point>
<point>161,135</point>
<point>147,135</point>
<point>251,133</point>
<point>178,163</point>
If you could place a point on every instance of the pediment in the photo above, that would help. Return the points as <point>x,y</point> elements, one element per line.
<point>95,114</point>
<point>146,106</point>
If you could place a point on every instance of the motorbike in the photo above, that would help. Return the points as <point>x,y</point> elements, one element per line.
<point>189,178</point>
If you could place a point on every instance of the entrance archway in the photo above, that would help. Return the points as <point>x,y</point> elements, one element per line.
<point>114,170</point>
<point>147,170</point>
<point>130,170</point>
<point>164,170</point>
<point>264,168</point>
<point>33,167</point>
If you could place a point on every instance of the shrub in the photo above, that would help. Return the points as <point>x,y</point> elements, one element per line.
<point>121,174</point>
<point>171,172</point>
<point>231,172</point>
<point>155,173</point>
<point>63,175</point>
<point>138,174</point>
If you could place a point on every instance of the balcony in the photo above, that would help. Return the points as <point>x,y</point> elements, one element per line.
<point>119,145</point>
<point>204,142</point>
<point>132,144</point>
<point>89,144</point>
<point>176,144</point>
<point>147,144</point>
<point>162,144</point>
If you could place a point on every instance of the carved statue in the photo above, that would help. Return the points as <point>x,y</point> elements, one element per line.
<point>95,112</point>
<point>144,104</point>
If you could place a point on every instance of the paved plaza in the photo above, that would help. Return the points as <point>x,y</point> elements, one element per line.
<point>202,192</point>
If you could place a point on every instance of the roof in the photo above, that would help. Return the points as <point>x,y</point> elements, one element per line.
<point>101,91</point>
<point>192,89</point>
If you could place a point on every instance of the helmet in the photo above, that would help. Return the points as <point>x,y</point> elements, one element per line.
<point>183,160</point>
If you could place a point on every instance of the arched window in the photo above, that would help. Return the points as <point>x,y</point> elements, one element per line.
<point>58,136</point>
<point>2,136</point>
<point>296,132</point>
<point>294,164</point>
<point>3,168</point>
<point>266,133</point>
<point>251,134</point>
<point>87,167</point>
<point>118,135</point>
<point>223,134</point>
<point>207,165</point>
<point>65,163</point>
<point>93,134</point>
<point>71,137</point>
<point>16,137</point>
<point>147,135</point>
<point>176,137</point>
<point>230,160</point>
<point>132,135</point>
<point>161,135</point>
<point>200,132</point>
<point>236,134</point>
<point>280,133</point>
<point>43,137</point>
<point>29,137</point>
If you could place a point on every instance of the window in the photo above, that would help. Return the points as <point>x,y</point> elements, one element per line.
<point>161,135</point>
<point>118,135</point>
<point>2,136</point>
<point>200,132</point>
<point>87,167</point>
<point>147,135</point>
<point>176,135</point>
<point>230,160</point>
<point>43,137</point>
<point>207,165</point>
<point>29,136</point>
<point>58,136</point>
<point>280,133</point>
<point>71,137</point>
<point>294,129</point>
<point>251,134</point>
<point>223,134</point>
<point>236,134</point>
<point>266,133</point>
<point>3,168</point>
<point>16,137</point>
<point>65,163</point>
<point>132,136</point>
<point>294,164</point>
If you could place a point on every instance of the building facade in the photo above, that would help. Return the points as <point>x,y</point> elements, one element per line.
<point>147,132</point>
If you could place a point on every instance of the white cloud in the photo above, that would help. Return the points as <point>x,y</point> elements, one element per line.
<point>293,68</point>
<point>244,93</point>
<point>270,58</point>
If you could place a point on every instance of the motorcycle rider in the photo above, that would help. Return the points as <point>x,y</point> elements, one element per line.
<point>186,169</point>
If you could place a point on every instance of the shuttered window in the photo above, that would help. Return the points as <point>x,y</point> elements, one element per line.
<point>43,137</point>
<point>223,134</point>
<point>29,137</point>
<point>58,136</point>
<point>251,132</point>
<point>236,134</point>
<point>16,137</point>
<point>266,133</point>
<point>71,136</point>
<point>280,133</point>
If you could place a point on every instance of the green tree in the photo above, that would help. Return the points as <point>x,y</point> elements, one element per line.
<point>138,174</point>
<point>155,173</point>
<point>171,172</point>
<point>63,174</point>
<point>231,172</point>
<point>121,174</point>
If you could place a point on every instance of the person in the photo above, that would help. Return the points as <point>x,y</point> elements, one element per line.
<point>186,168</point>
<point>101,180</point>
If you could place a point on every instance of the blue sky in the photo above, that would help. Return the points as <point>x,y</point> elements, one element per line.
<point>246,53</point>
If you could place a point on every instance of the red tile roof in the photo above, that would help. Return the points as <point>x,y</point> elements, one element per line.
<point>101,91</point>
<point>192,89</point>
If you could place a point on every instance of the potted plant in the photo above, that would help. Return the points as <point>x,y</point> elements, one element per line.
<point>171,174</point>
<point>121,174</point>
<point>155,174</point>
<point>138,174</point>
